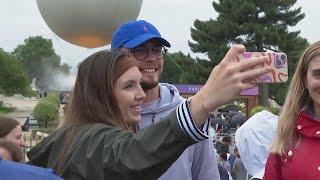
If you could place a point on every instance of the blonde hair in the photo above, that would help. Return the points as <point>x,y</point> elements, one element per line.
<point>297,99</point>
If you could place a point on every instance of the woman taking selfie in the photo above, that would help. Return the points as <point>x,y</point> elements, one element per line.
<point>98,139</point>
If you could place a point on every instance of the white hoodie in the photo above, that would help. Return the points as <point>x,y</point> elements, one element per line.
<point>253,139</point>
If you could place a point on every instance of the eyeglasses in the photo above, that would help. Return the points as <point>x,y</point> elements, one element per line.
<point>142,52</point>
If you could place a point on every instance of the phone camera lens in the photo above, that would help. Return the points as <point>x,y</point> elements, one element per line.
<point>278,62</point>
<point>283,58</point>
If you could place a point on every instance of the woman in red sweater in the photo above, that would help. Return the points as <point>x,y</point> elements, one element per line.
<point>295,150</point>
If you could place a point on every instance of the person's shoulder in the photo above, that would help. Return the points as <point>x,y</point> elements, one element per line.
<point>169,99</point>
<point>168,88</point>
<point>99,129</point>
<point>12,170</point>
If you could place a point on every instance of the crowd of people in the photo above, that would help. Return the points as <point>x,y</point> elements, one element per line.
<point>121,123</point>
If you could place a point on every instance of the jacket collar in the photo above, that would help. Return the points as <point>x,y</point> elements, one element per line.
<point>307,125</point>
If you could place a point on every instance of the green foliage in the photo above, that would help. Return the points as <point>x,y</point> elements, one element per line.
<point>64,68</point>
<point>180,68</point>
<point>46,111</point>
<point>53,98</point>
<point>294,49</point>
<point>40,60</point>
<point>191,68</point>
<point>257,109</point>
<point>28,92</point>
<point>203,69</point>
<point>259,25</point>
<point>274,110</point>
<point>171,70</point>
<point>5,110</point>
<point>13,79</point>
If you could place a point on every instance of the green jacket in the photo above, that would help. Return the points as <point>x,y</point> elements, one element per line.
<point>103,152</point>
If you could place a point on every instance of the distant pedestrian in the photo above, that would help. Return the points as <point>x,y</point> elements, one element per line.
<point>223,147</point>
<point>238,169</point>
<point>224,162</point>
<point>224,174</point>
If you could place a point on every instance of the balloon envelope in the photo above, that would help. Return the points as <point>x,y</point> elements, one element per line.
<point>87,23</point>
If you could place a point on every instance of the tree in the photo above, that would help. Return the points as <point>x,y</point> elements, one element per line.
<point>258,24</point>
<point>181,68</point>
<point>195,71</point>
<point>203,69</point>
<point>47,110</point>
<point>39,60</point>
<point>65,68</point>
<point>171,70</point>
<point>294,50</point>
<point>13,79</point>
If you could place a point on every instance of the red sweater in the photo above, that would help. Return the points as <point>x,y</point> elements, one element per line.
<point>301,162</point>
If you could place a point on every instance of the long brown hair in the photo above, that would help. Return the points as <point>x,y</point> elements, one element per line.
<point>297,99</point>
<point>6,125</point>
<point>92,99</point>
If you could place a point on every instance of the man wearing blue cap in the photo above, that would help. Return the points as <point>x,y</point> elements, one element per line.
<point>143,41</point>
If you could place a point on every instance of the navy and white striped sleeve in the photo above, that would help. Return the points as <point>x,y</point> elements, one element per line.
<point>187,124</point>
<point>206,127</point>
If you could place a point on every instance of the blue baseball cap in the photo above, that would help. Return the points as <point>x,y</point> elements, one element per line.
<point>133,33</point>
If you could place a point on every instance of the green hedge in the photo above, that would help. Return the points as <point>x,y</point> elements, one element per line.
<point>54,98</point>
<point>258,109</point>
<point>5,110</point>
<point>46,111</point>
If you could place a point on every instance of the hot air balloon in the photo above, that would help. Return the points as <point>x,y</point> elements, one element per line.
<point>87,23</point>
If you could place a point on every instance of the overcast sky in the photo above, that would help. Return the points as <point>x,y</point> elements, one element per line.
<point>20,19</point>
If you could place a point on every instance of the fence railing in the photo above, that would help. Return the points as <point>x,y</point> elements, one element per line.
<point>30,141</point>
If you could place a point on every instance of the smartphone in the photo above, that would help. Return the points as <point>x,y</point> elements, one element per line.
<point>278,61</point>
